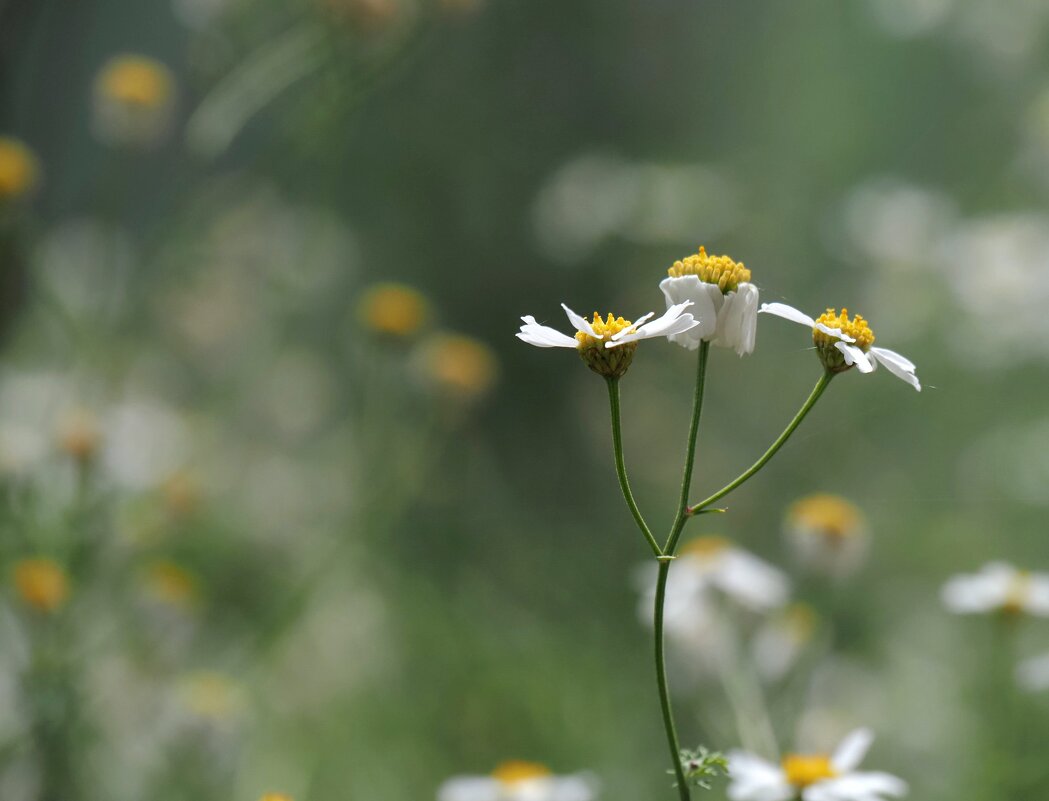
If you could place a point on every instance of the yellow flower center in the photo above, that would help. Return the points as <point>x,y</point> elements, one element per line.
<point>1018,593</point>
<point>135,81</point>
<point>706,547</point>
<point>462,366</point>
<point>18,168</point>
<point>41,583</point>
<point>516,770</point>
<point>393,309</point>
<point>275,797</point>
<point>170,584</point>
<point>856,328</point>
<point>805,769</point>
<point>604,330</point>
<point>720,270</point>
<point>830,515</point>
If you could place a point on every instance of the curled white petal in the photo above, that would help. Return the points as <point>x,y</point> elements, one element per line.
<point>707,301</point>
<point>579,323</point>
<point>788,313</point>
<point>854,355</point>
<point>738,320</point>
<point>851,751</point>
<point>898,365</point>
<point>674,321</point>
<point>543,336</point>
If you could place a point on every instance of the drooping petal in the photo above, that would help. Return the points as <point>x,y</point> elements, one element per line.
<point>579,323</point>
<point>707,301</point>
<point>854,355</point>
<point>750,581</point>
<point>851,751</point>
<point>738,320</point>
<point>788,313</point>
<point>469,788</point>
<point>543,336</point>
<point>755,779</point>
<point>674,321</point>
<point>898,365</point>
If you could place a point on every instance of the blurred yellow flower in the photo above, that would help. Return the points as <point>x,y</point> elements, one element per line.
<point>827,533</point>
<point>276,797</point>
<point>516,770</point>
<point>393,309</point>
<point>133,100</point>
<point>78,435</point>
<point>169,583</point>
<point>19,169</point>
<point>210,695</point>
<point>41,583</point>
<point>459,366</point>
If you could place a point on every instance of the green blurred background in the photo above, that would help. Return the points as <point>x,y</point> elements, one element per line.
<point>381,574</point>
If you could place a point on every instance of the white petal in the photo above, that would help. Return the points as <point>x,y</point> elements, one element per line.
<point>856,787</point>
<point>851,751</point>
<point>1033,674</point>
<point>788,313</point>
<point>738,320</point>
<point>580,323</point>
<point>580,787</point>
<point>751,581</point>
<point>707,300</point>
<point>672,322</point>
<point>834,332</point>
<point>854,355</point>
<point>469,788</point>
<point>898,365</point>
<point>755,779</point>
<point>543,336</point>
<point>1037,592</point>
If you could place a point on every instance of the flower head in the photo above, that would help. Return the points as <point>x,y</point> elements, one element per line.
<point>998,587</point>
<point>607,345</point>
<point>133,100</point>
<point>459,366</point>
<point>827,533</point>
<point>517,780</point>
<point>843,343</point>
<point>812,777</point>
<point>79,436</point>
<point>19,169</point>
<point>392,309</point>
<point>726,303</point>
<point>41,583</point>
<point>170,584</point>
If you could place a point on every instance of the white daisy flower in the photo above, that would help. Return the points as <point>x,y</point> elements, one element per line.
<point>519,781</point>
<point>781,640</point>
<point>713,564</point>
<point>843,343</point>
<point>812,777</point>
<point>998,587</point>
<point>607,346</point>
<point>726,303</point>
<point>827,533</point>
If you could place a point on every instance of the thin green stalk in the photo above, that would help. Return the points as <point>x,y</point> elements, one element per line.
<point>664,687</point>
<point>624,484</point>
<point>818,390</point>
<point>690,454</point>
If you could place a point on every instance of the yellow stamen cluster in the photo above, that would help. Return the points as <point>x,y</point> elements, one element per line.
<point>857,328</point>
<point>706,547</point>
<point>829,515</point>
<point>604,330</point>
<point>1018,593</point>
<point>515,770</point>
<point>460,366</point>
<point>393,309</point>
<point>609,362</point>
<point>135,81</point>
<point>720,270</point>
<point>41,583</point>
<point>169,583</point>
<point>18,169</point>
<point>805,769</point>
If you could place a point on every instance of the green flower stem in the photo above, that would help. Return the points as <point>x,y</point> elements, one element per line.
<point>624,483</point>
<point>817,391</point>
<point>661,680</point>
<point>690,454</point>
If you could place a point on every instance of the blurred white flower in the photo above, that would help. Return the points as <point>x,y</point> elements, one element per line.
<point>146,441</point>
<point>519,781</point>
<point>1032,674</point>
<point>998,587</point>
<point>133,101</point>
<point>725,302</point>
<point>782,639</point>
<point>851,339</point>
<point>827,533</point>
<point>596,197</point>
<point>812,777</point>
